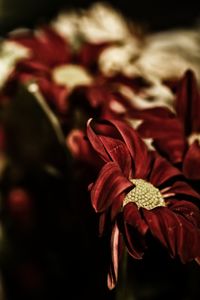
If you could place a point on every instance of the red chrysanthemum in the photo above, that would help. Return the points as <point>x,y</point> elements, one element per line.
<point>148,193</point>
<point>177,136</point>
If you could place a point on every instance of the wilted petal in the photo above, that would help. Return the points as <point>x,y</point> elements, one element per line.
<point>109,185</point>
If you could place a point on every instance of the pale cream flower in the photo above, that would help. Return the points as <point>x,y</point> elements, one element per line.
<point>116,59</point>
<point>67,25</point>
<point>10,54</point>
<point>102,23</point>
<point>169,54</point>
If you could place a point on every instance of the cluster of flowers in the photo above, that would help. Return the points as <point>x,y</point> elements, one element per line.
<point>129,114</point>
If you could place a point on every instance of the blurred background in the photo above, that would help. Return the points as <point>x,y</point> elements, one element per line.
<point>154,14</point>
<point>71,253</point>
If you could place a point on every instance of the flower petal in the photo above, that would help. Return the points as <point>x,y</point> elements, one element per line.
<point>109,185</point>
<point>96,143</point>
<point>113,271</point>
<point>136,147</point>
<point>118,152</point>
<point>132,216</point>
<point>191,164</point>
<point>183,189</point>
<point>188,103</point>
<point>162,171</point>
<point>134,241</point>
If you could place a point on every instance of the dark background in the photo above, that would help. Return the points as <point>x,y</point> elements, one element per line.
<point>154,14</point>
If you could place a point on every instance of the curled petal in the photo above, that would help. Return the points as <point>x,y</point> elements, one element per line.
<point>136,147</point>
<point>118,152</point>
<point>109,185</point>
<point>96,143</point>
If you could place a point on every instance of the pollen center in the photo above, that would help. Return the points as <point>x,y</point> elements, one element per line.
<point>145,195</point>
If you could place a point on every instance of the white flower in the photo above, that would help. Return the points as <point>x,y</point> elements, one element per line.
<point>10,54</point>
<point>116,59</point>
<point>101,23</point>
<point>169,54</point>
<point>67,25</point>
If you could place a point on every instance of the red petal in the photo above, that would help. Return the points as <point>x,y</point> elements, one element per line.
<point>188,103</point>
<point>47,47</point>
<point>135,242</point>
<point>191,164</point>
<point>133,217</point>
<point>96,143</point>
<point>153,221</point>
<point>187,209</point>
<point>184,189</point>
<point>109,185</point>
<point>118,152</point>
<point>113,271</point>
<point>136,147</point>
<point>188,240</point>
<point>176,233</point>
<point>168,136</point>
<point>162,171</point>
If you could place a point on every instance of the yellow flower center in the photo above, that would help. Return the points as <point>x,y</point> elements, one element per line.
<point>145,195</point>
<point>71,76</point>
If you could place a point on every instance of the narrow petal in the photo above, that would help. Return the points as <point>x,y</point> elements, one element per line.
<point>113,271</point>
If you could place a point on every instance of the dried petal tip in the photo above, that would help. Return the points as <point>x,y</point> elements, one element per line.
<point>145,195</point>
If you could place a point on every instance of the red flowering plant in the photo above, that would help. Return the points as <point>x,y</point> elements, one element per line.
<point>145,192</point>
<point>176,134</point>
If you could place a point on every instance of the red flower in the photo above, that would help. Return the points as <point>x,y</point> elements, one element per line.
<point>145,192</point>
<point>177,136</point>
<point>47,51</point>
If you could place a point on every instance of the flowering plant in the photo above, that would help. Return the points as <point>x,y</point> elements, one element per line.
<point>95,140</point>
